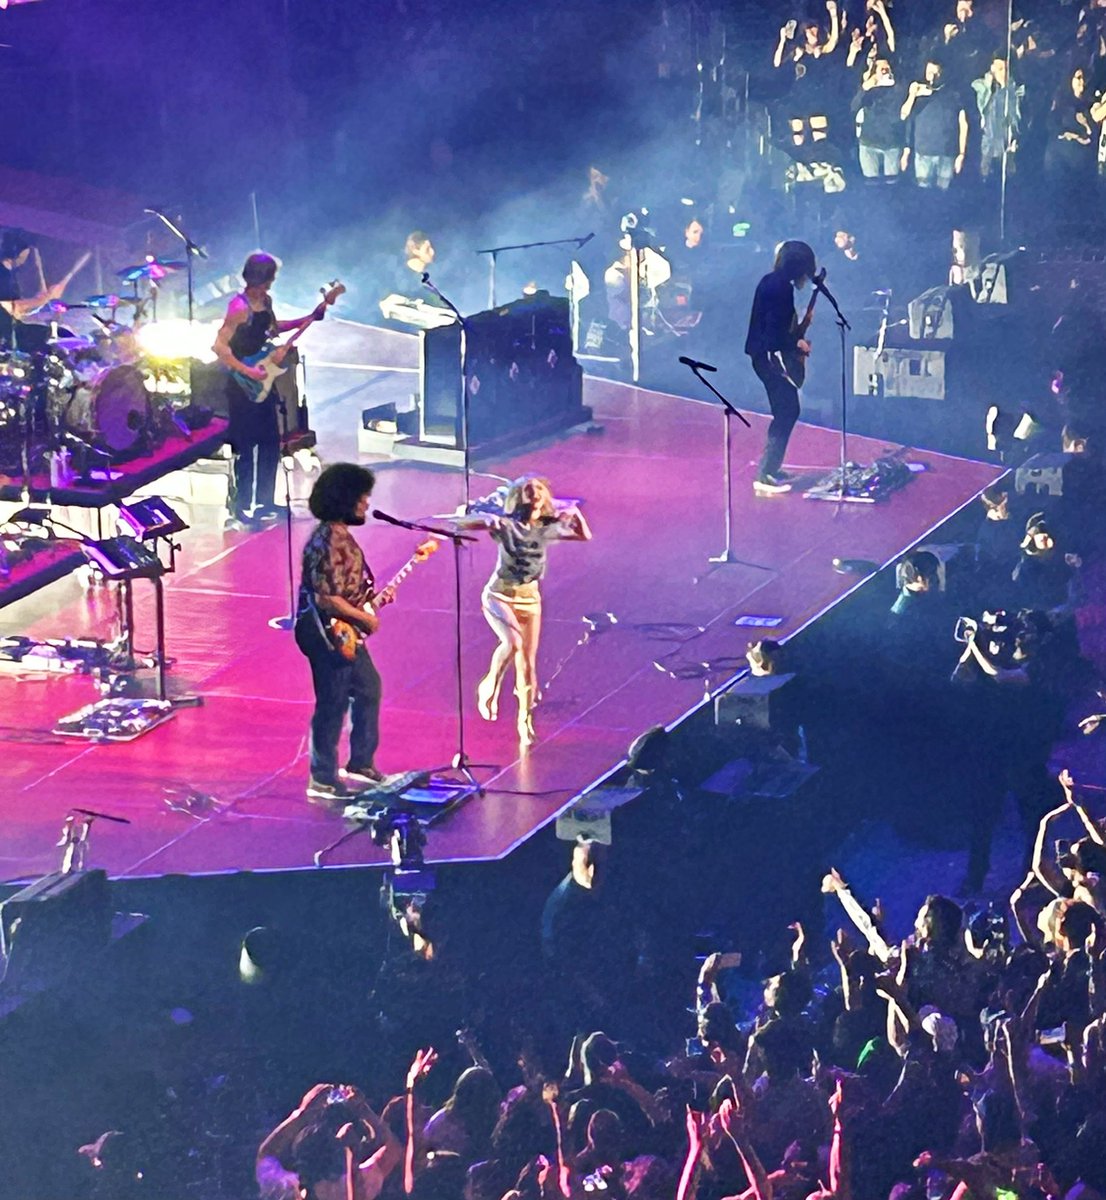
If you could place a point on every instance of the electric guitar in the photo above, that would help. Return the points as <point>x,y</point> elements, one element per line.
<point>794,361</point>
<point>346,637</point>
<point>270,358</point>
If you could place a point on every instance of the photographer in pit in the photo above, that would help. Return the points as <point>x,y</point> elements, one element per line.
<point>1046,577</point>
<point>1014,678</point>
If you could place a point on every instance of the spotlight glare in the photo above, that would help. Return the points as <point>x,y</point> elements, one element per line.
<point>176,338</point>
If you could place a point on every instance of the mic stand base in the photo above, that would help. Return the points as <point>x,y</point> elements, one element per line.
<point>288,622</point>
<point>462,766</point>
<point>727,557</point>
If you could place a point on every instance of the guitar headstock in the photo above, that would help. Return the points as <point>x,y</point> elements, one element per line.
<point>425,549</point>
<point>332,291</point>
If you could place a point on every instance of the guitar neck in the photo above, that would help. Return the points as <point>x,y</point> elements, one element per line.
<point>401,574</point>
<point>300,331</point>
<point>804,324</point>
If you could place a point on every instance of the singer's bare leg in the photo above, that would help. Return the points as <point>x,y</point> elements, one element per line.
<point>487,690</point>
<point>505,626</point>
<point>518,629</point>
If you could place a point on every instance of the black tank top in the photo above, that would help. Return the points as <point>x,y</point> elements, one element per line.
<point>251,335</point>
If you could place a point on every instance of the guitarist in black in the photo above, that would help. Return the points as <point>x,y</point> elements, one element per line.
<point>254,427</point>
<point>777,349</point>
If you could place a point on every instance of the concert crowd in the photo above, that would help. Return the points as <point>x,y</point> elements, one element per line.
<point>965,1059</point>
<point>924,89</point>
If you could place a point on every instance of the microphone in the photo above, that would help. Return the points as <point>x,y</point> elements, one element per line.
<point>819,286</point>
<point>580,242</point>
<point>425,277</point>
<point>696,366</point>
<point>89,812</point>
<point>378,515</point>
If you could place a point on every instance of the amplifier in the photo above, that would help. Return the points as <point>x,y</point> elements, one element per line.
<point>56,923</point>
<point>1041,475</point>
<point>921,374</point>
<point>936,313</point>
<point>994,285</point>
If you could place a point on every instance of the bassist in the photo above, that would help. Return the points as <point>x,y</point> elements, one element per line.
<point>336,582</point>
<point>774,337</point>
<point>254,428</point>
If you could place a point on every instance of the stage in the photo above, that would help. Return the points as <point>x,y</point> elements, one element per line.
<point>651,478</point>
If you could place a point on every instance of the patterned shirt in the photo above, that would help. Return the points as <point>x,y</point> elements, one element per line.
<point>333,565</point>
<point>523,549</point>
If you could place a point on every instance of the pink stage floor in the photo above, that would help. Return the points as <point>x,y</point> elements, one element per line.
<point>652,483</point>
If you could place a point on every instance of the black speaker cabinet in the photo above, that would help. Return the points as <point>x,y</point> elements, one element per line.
<point>55,925</point>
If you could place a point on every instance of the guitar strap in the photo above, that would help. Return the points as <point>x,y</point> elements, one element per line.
<point>309,611</point>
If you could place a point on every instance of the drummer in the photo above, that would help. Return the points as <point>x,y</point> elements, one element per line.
<point>15,249</point>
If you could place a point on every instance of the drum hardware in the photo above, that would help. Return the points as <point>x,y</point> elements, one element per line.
<point>152,268</point>
<point>113,414</point>
<point>78,344</point>
<point>109,300</point>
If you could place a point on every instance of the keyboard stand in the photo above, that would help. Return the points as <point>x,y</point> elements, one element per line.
<point>123,718</point>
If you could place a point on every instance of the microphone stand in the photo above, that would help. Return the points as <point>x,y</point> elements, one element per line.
<point>289,621</point>
<point>466,465</point>
<point>727,557</point>
<point>191,250</point>
<point>843,328</point>
<point>460,761</point>
<point>495,251</point>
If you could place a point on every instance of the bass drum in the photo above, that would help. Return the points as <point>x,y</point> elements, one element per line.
<point>113,412</point>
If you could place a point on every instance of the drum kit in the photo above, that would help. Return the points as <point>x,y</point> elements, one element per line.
<point>82,380</point>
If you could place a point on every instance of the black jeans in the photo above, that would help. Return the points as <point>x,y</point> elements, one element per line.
<point>254,429</point>
<point>340,686</point>
<point>783,400</point>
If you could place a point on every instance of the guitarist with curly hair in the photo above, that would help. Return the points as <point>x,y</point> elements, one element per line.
<point>337,589</point>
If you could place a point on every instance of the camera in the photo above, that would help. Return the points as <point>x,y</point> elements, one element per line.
<point>995,632</point>
<point>403,833</point>
<point>990,931</point>
<point>965,627</point>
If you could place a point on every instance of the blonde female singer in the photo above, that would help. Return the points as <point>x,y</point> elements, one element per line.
<point>512,596</point>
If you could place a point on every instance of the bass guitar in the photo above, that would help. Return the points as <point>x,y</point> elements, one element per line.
<point>270,358</point>
<point>794,361</point>
<point>346,637</point>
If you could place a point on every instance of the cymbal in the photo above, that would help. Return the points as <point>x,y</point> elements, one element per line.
<point>72,345</point>
<point>108,300</point>
<point>152,268</point>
